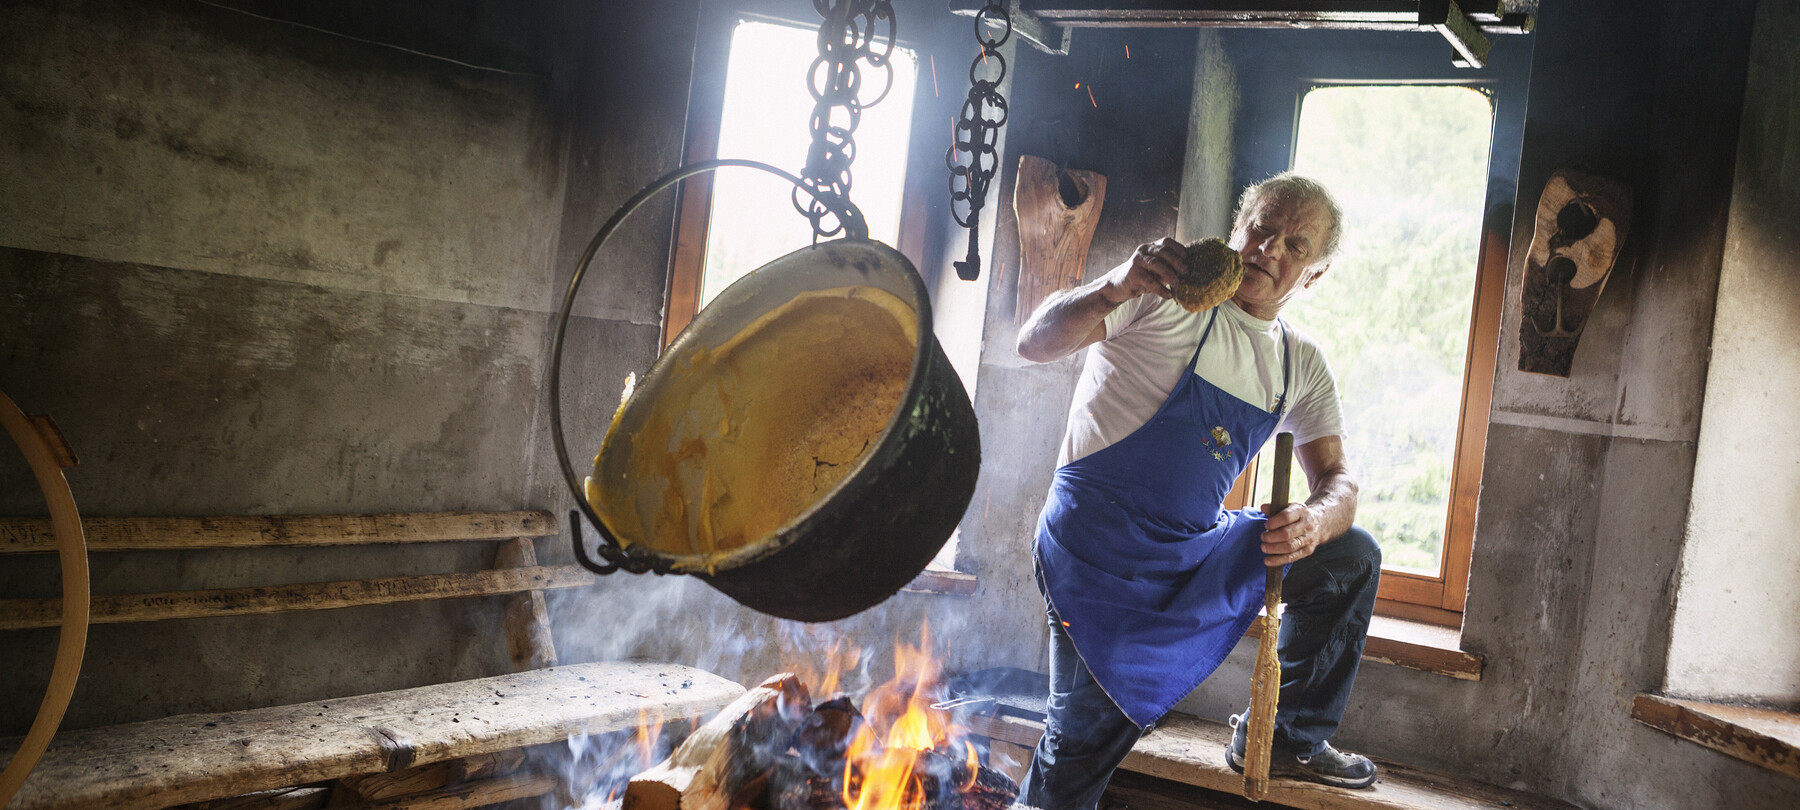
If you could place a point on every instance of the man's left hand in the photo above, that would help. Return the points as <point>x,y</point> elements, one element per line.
<point>1291,534</point>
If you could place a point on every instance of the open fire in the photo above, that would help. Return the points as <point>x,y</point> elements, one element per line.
<point>776,749</point>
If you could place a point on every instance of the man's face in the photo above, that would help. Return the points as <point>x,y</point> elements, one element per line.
<point>1282,242</point>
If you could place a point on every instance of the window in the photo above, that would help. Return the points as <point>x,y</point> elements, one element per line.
<point>735,220</point>
<point>1408,316</point>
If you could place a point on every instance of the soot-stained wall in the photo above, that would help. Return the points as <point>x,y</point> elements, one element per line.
<point>284,261</point>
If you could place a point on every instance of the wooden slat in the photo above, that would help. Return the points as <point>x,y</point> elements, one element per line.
<point>1187,749</point>
<point>307,797</point>
<point>376,787</point>
<point>1764,737</point>
<point>18,614</point>
<point>28,535</point>
<point>526,616</point>
<point>480,793</point>
<point>197,757</point>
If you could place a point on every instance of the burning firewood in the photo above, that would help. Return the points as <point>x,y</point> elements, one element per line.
<point>771,751</point>
<point>725,756</point>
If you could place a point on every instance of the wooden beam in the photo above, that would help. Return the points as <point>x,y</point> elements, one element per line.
<point>1763,737</point>
<point>1352,15</point>
<point>1446,17</point>
<point>31,535</point>
<point>305,797</point>
<point>479,793</point>
<point>376,787</point>
<point>197,757</point>
<point>19,614</point>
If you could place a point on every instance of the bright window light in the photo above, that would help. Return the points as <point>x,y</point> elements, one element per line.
<point>1409,166</point>
<point>766,114</point>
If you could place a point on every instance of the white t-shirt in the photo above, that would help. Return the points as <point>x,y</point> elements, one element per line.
<point>1129,375</point>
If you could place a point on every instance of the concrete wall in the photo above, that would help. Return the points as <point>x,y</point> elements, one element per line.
<point>1736,633</point>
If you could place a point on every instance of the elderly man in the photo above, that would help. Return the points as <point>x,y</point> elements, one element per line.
<point>1148,582</point>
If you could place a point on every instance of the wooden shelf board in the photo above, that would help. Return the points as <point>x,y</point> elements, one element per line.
<point>1763,737</point>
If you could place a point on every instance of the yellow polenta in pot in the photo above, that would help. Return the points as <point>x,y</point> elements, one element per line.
<point>746,437</point>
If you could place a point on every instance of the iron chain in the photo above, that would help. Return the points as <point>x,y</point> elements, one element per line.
<point>977,134</point>
<point>852,33</point>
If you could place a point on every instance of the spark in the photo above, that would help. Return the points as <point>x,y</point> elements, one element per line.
<point>1127,51</point>
<point>934,87</point>
<point>1091,100</point>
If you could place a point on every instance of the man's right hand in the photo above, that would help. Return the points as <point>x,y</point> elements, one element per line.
<point>1152,269</point>
<point>1069,322</point>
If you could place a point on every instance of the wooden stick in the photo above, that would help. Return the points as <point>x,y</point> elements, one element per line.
<point>31,535</point>
<point>19,614</point>
<point>1265,688</point>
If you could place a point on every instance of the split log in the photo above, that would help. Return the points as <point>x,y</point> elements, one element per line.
<point>726,754</point>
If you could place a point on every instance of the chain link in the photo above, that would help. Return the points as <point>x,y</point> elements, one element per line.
<point>853,32</point>
<point>977,133</point>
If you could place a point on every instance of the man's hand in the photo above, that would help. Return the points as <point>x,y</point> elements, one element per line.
<point>1069,322</point>
<point>1151,269</point>
<point>1298,530</point>
<point>1291,534</point>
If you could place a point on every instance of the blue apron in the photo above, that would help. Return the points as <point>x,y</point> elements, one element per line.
<point>1152,580</point>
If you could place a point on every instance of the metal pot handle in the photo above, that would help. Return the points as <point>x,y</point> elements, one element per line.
<point>616,554</point>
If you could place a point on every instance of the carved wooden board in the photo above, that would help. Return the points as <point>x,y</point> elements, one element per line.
<point>1058,211</point>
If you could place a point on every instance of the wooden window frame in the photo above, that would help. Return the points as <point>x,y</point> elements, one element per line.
<point>706,102</point>
<point>1439,598</point>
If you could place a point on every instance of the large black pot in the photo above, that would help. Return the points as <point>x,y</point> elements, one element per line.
<point>878,527</point>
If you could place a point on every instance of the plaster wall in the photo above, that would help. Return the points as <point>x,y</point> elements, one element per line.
<point>1736,632</point>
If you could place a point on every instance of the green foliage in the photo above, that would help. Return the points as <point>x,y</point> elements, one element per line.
<point>1409,166</point>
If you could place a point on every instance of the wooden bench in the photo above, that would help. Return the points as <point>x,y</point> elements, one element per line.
<point>450,745</point>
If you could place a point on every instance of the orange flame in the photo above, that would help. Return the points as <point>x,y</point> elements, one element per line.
<point>900,724</point>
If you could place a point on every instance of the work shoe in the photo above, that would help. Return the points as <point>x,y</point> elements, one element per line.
<point>1328,767</point>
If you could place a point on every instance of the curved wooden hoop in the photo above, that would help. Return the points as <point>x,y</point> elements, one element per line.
<point>48,455</point>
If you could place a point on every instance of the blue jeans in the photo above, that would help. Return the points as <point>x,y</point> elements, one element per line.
<point>1330,597</point>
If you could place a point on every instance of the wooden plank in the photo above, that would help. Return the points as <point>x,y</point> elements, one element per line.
<point>376,787</point>
<point>1763,737</point>
<point>306,797</point>
<point>480,793</point>
<point>17,614</point>
<point>1187,749</point>
<point>197,757</point>
<point>29,535</point>
<point>527,618</point>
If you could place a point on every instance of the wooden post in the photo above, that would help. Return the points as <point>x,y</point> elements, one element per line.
<point>1265,689</point>
<point>528,639</point>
